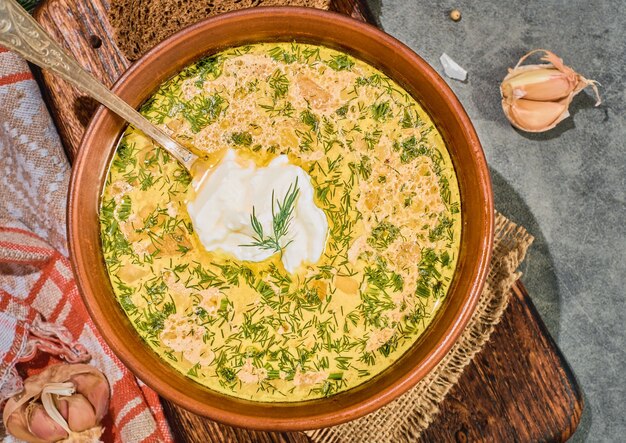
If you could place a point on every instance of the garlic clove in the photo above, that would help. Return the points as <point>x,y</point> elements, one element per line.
<point>27,415</point>
<point>543,84</point>
<point>535,116</point>
<point>536,98</point>
<point>77,411</point>
<point>95,387</point>
<point>44,427</point>
<point>17,425</point>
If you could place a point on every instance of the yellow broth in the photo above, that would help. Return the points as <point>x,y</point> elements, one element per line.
<point>382,176</point>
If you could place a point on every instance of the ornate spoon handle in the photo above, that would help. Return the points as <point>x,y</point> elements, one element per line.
<point>22,34</point>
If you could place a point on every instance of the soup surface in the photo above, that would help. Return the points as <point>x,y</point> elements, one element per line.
<point>381,175</point>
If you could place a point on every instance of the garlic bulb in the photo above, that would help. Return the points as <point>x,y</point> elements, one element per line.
<point>62,403</point>
<point>536,98</point>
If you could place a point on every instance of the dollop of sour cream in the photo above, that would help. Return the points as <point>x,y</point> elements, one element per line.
<point>222,211</point>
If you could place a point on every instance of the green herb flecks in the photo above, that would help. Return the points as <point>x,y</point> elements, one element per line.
<point>381,277</point>
<point>208,67</point>
<point>309,119</point>
<point>410,119</point>
<point>341,112</point>
<point>282,55</point>
<point>429,283</point>
<point>202,110</point>
<point>125,208</point>
<point>241,138</point>
<point>409,149</point>
<point>443,230</point>
<point>151,321</point>
<point>340,62</point>
<point>279,83</point>
<point>372,138</point>
<point>381,111</point>
<point>126,156</point>
<point>363,168</point>
<point>383,235</point>
<point>279,109</point>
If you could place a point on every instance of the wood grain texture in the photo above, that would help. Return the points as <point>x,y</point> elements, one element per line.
<point>188,427</point>
<point>81,27</point>
<point>519,388</point>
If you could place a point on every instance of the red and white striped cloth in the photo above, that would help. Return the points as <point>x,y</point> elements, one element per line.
<point>41,312</point>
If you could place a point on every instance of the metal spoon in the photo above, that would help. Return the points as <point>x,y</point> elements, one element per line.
<point>22,34</point>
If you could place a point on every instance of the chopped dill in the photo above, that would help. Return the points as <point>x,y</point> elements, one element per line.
<point>443,230</point>
<point>281,55</point>
<point>342,111</point>
<point>241,138</point>
<point>279,83</point>
<point>381,277</point>
<point>284,109</point>
<point>308,118</point>
<point>383,235</point>
<point>126,156</point>
<point>372,138</point>
<point>363,167</point>
<point>152,321</point>
<point>208,66</point>
<point>410,119</point>
<point>409,149</point>
<point>340,62</point>
<point>182,176</point>
<point>381,111</point>
<point>202,110</point>
<point>125,208</point>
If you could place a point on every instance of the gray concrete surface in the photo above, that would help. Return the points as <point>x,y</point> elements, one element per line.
<point>566,186</point>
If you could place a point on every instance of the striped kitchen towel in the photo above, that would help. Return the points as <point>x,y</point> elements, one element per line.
<point>42,317</point>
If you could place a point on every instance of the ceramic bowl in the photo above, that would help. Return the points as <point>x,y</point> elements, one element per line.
<point>283,24</point>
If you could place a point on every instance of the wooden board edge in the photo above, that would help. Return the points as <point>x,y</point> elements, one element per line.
<point>578,406</point>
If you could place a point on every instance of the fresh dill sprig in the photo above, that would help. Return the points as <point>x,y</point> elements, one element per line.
<point>281,219</point>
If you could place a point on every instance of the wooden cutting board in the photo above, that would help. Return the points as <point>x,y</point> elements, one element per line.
<point>519,388</point>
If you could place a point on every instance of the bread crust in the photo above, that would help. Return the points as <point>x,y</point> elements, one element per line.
<point>141,24</point>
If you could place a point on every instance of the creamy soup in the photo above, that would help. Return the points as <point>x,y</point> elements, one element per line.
<point>290,283</point>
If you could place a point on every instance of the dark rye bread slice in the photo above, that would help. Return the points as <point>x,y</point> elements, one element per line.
<point>141,24</point>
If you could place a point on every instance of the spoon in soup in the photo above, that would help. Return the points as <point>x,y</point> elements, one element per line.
<point>20,33</point>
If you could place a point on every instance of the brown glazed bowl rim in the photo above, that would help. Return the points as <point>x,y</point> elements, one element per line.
<point>283,24</point>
